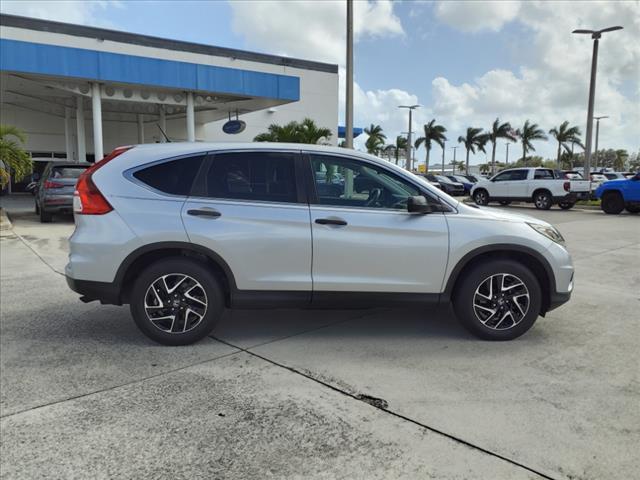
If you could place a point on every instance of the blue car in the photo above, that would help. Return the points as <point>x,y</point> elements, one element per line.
<point>617,195</point>
<point>466,183</point>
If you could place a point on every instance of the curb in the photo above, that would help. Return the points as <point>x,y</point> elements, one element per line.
<point>5,223</point>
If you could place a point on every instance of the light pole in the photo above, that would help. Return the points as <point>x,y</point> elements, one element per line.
<point>507,158</point>
<point>409,162</point>
<point>454,159</point>
<point>595,35</point>
<point>348,137</point>
<point>597,119</point>
<point>411,147</point>
<point>443,149</point>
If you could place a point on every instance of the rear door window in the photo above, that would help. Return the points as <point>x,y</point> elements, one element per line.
<point>543,174</point>
<point>259,176</point>
<point>67,172</point>
<point>174,177</point>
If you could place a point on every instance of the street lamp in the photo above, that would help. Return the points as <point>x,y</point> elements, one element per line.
<point>507,158</point>
<point>409,161</point>
<point>597,119</point>
<point>348,137</point>
<point>454,159</point>
<point>595,35</point>
<point>444,142</point>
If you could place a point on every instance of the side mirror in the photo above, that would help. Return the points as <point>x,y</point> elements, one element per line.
<point>418,204</point>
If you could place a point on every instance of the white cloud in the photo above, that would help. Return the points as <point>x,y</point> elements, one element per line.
<point>553,86</point>
<point>68,11</point>
<point>475,16</point>
<point>311,30</point>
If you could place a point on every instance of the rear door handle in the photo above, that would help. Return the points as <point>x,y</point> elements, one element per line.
<point>204,212</point>
<point>330,221</point>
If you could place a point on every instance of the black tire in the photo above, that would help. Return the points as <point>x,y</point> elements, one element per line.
<point>474,278</point>
<point>44,216</point>
<point>197,328</point>
<point>481,197</point>
<point>37,208</point>
<point>612,203</point>
<point>542,199</point>
<point>633,208</point>
<point>566,205</point>
<point>504,202</point>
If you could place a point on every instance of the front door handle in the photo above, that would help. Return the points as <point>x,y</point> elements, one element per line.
<point>330,221</point>
<point>204,212</point>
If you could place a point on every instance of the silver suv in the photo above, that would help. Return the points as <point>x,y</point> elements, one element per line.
<point>181,231</point>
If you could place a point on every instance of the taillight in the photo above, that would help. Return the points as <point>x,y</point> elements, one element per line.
<point>567,186</point>
<point>87,199</point>
<point>50,184</point>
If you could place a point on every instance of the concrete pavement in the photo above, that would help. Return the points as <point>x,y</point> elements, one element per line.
<point>276,393</point>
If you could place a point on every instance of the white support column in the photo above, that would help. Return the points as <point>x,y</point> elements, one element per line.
<point>96,102</point>
<point>163,124</point>
<point>191,119</point>
<point>68,141</point>
<point>140,128</point>
<point>82,147</point>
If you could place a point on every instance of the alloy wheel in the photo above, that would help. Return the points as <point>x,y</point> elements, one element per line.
<point>501,301</point>
<point>175,303</point>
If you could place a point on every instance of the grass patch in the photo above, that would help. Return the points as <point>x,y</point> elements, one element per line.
<point>588,203</point>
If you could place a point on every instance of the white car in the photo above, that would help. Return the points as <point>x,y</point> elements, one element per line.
<point>181,231</point>
<point>537,185</point>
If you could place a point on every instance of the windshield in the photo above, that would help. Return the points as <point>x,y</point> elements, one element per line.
<point>442,178</point>
<point>67,172</point>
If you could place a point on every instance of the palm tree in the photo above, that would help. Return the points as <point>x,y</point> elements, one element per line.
<point>432,133</point>
<point>376,138</point>
<point>294,132</point>
<point>566,135</point>
<point>472,140</point>
<point>498,130</point>
<point>529,133</point>
<point>13,157</point>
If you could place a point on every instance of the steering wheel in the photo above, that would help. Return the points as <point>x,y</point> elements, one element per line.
<point>374,197</point>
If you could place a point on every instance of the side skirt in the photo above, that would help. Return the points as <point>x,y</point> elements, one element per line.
<point>255,299</point>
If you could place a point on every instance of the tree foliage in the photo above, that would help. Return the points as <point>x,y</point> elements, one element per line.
<point>433,133</point>
<point>566,136</point>
<point>472,140</point>
<point>14,159</point>
<point>295,132</point>
<point>527,134</point>
<point>375,142</point>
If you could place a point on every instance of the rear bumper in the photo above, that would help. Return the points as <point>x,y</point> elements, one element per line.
<point>107,293</point>
<point>57,203</point>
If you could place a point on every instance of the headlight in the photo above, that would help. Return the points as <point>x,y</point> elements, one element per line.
<point>548,231</point>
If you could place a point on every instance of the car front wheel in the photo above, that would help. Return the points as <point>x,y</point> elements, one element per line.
<point>481,197</point>
<point>498,300</point>
<point>176,301</point>
<point>542,200</point>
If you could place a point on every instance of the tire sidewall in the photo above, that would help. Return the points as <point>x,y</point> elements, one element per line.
<point>463,299</point>
<point>612,203</point>
<point>187,266</point>
<point>547,204</point>
<point>477,194</point>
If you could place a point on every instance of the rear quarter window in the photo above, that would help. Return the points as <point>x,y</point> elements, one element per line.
<point>174,177</point>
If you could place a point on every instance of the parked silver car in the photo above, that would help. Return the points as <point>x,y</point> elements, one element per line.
<point>182,231</point>
<point>54,191</point>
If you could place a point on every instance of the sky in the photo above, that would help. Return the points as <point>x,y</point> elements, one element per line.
<point>465,62</point>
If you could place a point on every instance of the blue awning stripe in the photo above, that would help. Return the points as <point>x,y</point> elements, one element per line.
<point>28,57</point>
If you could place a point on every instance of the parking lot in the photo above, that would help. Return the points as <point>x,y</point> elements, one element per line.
<point>386,393</point>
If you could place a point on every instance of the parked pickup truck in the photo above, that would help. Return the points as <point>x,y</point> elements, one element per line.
<point>537,185</point>
<point>616,195</point>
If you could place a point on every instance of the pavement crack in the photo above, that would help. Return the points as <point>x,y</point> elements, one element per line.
<point>36,253</point>
<point>383,405</point>
<point>115,387</point>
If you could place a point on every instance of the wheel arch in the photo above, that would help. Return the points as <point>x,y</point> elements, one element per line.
<point>541,189</point>
<point>539,266</point>
<point>146,255</point>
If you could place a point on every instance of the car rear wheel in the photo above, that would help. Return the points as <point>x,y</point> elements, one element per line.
<point>566,205</point>
<point>612,203</point>
<point>176,301</point>
<point>498,300</point>
<point>542,200</point>
<point>633,208</point>
<point>44,216</point>
<point>481,197</point>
